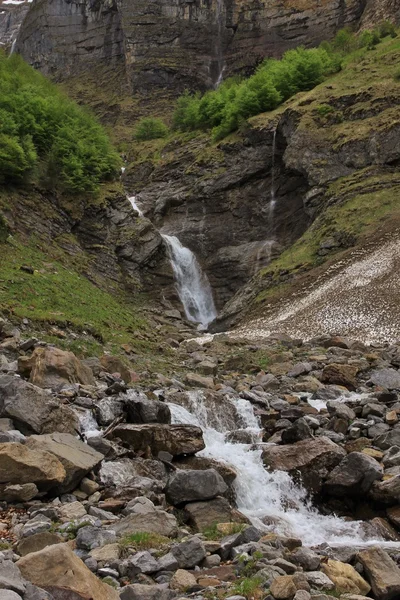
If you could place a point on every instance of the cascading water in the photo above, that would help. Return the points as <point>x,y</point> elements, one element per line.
<point>192,284</point>
<point>271,500</point>
<point>132,200</point>
<point>219,55</point>
<point>14,43</point>
<point>272,202</point>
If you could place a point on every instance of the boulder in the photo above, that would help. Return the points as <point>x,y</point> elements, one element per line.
<point>50,367</point>
<point>300,430</point>
<point>382,573</point>
<point>11,578</point>
<point>36,542</point>
<point>202,515</point>
<point>175,439</point>
<point>189,553</point>
<point>141,409</point>
<point>283,588</point>
<point>58,570</point>
<point>388,491</point>
<point>354,476</point>
<point>338,374</point>
<point>113,364</point>
<point>319,580</point>
<point>186,486</point>
<point>18,492</point>
<point>21,464</point>
<point>386,378</point>
<point>35,593</point>
<point>388,439</point>
<point>345,578</point>
<point>138,591</point>
<point>34,410</point>
<point>10,595</point>
<point>310,458</point>
<point>77,457</point>
<point>306,558</point>
<point>90,537</point>
<point>201,463</point>
<point>182,580</point>
<point>157,521</point>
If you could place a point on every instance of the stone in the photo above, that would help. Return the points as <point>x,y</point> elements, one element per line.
<point>393,514</point>
<point>88,486</point>
<point>202,515</point>
<point>308,458</point>
<point>20,464</point>
<point>345,578</point>
<point>10,595</point>
<point>386,378</point>
<point>354,476</point>
<point>18,492</point>
<point>182,580</point>
<point>158,521</point>
<point>306,558</point>
<point>113,364</point>
<point>138,591</point>
<point>388,439</point>
<point>35,593</point>
<point>201,463</point>
<point>50,367</point>
<point>387,491</point>
<point>283,588</point>
<point>168,562</point>
<point>187,486</point>
<point>319,580</point>
<point>90,537</point>
<point>107,410</point>
<point>382,573</point>
<point>341,410</point>
<point>175,439</point>
<point>189,553</point>
<point>11,577</point>
<point>77,457</point>
<point>199,381</point>
<point>141,409</point>
<point>36,542</point>
<point>34,410</point>
<point>106,554</point>
<point>384,529</point>
<point>339,374</point>
<point>58,570</point>
<point>71,511</point>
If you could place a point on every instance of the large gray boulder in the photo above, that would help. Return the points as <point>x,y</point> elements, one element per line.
<point>141,409</point>
<point>386,378</point>
<point>354,476</point>
<point>187,486</point>
<point>175,439</point>
<point>77,457</point>
<point>32,409</point>
<point>11,578</point>
<point>388,439</point>
<point>189,553</point>
<point>382,573</point>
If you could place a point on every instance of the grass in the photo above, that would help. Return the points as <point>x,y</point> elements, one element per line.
<point>212,533</point>
<point>57,294</point>
<point>250,588</point>
<point>144,541</point>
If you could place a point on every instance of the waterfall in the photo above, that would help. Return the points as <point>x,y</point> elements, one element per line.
<point>272,501</point>
<point>192,284</point>
<point>14,43</point>
<point>132,200</point>
<point>219,55</point>
<point>272,202</point>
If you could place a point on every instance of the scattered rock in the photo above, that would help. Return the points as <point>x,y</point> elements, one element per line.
<point>49,367</point>
<point>20,464</point>
<point>175,439</point>
<point>182,580</point>
<point>354,476</point>
<point>382,573</point>
<point>186,486</point>
<point>345,578</point>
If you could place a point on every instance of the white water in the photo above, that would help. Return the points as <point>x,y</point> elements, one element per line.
<point>219,42</point>
<point>272,202</point>
<point>263,495</point>
<point>87,422</point>
<point>132,200</point>
<point>192,285</point>
<point>14,43</point>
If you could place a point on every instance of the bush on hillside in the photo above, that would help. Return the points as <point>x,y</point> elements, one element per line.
<point>150,128</point>
<point>42,129</point>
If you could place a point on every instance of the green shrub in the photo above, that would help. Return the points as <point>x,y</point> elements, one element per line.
<point>369,39</point>
<point>386,28</point>
<point>247,587</point>
<point>41,126</point>
<point>324,109</point>
<point>150,128</point>
<point>396,76</point>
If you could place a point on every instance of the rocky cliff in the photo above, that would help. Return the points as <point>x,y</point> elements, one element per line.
<point>177,44</point>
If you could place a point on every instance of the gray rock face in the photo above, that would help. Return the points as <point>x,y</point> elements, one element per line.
<point>386,378</point>
<point>142,410</point>
<point>157,521</point>
<point>186,486</point>
<point>32,409</point>
<point>141,562</point>
<point>11,578</point>
<point>306,558</point>
<point>382,573</point>
<point>387,440</point>
<point>354,476</point>
<point>138,591</point>
<point>34,593</point>
<point>89,537</point>
<point>175,439</point>
<point>189,553</point>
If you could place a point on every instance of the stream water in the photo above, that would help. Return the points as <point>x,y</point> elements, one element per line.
<point>271,500</point>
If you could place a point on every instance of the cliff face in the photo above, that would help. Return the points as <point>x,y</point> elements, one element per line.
<point>174,43</point>
<point>11,17</point>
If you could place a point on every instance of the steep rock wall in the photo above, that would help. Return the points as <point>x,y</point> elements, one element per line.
<point>174,43</point>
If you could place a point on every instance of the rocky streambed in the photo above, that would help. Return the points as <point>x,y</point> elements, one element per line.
<point>267,470</point>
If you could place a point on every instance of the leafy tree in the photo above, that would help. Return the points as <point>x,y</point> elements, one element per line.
<point>150,128</point>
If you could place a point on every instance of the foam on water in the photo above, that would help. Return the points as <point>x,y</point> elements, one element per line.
<point>87,422</point>
<point>132,200</point>
<point>271,500</point>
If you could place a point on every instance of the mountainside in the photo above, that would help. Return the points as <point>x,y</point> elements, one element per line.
<point>177,45</point>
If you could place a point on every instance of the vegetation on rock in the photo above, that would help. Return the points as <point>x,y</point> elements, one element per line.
<point>45,133</point>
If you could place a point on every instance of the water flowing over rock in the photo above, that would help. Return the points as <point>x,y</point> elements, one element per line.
<point>192,284</point>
